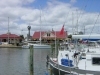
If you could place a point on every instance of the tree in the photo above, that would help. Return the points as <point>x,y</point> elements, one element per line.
<point>70,36</point>
<point>22,37</point>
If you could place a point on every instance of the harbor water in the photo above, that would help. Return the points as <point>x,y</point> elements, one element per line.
<point>15,61</point>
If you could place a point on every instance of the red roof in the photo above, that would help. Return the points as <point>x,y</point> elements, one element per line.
<point>36,35</point>
<point>10,36</point>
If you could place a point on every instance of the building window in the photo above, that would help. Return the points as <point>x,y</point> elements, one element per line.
<point>96,60</point>
<point>48,34</point>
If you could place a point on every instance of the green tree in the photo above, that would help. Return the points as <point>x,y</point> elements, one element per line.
<point>70,36</point>
<point>22,37</point>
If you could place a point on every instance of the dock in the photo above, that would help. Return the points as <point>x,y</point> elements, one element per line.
<point>9,46</point>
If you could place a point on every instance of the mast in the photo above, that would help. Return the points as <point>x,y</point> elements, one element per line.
<point>77,23</point>
<point>84,29</point>
<point>55,44</point>
<point>72,24</point>
<point>40,26</point>
<point>8,30</point>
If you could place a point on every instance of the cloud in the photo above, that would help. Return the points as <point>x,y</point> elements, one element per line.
<point>54,15</point>
<point>10,3</point>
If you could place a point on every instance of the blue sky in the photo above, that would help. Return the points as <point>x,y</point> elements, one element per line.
<point>54,13</point>
<point>91,5</point>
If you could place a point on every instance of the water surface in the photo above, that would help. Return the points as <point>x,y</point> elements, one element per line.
<point>15,61</point>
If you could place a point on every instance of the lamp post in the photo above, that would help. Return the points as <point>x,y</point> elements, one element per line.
<point>29,27</point>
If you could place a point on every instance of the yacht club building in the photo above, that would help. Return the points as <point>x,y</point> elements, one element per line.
<point>10,38</point>
<point>49,36</point>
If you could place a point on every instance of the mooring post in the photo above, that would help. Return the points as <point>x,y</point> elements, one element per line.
<point>51,73</point>
<point>31,60</point>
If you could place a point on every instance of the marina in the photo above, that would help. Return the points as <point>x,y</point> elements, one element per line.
<point>50,37</point>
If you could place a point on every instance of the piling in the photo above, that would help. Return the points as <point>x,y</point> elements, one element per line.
<point>31,60</point>
<point>51,73</point>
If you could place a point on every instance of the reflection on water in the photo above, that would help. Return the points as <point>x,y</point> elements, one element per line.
<point>15,61</point>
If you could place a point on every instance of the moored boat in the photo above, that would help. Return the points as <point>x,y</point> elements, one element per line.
<point>36,45</point>
<point>74,61</point>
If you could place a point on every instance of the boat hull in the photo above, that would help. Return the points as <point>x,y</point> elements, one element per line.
<point>56,68</point>
<point>37,46</point>
<point>25,47</point>
<point>42,46</point>
<point>57,71</point>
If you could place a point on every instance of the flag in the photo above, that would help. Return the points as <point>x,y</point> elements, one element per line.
<point>62,30</point>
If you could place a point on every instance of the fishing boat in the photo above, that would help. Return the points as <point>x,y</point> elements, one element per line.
<point>77,61</point>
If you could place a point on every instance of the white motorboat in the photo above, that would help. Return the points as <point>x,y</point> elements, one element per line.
<point>78,62</point>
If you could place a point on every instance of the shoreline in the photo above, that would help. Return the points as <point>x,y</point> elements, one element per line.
<point>9,46</point>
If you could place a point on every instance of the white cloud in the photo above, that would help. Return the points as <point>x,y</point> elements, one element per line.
<point>54,15</point>
<point>12,3</point>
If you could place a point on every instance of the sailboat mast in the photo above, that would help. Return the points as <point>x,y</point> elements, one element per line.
<point>55,45</point>
<point>40,26</point>
<point>8,30</point>
<point>77,23</point>
<point>72,24</point>
<point>84,29</point>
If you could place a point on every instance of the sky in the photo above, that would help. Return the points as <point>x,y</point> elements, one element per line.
<point>45,15</point>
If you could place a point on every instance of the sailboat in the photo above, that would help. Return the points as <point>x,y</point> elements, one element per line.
<point>37,45</point>
<point>40,45</point>
<point>82,60</point>
<point>85,61</point>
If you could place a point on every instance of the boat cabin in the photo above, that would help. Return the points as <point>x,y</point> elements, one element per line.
<point>93,58</point>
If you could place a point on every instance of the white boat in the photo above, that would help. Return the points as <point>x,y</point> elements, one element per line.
<point>25,46</point>
<point>36,45</point>
<point>78,62</point>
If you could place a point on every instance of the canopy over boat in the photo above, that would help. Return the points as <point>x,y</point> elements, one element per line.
<point>94,37</point>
